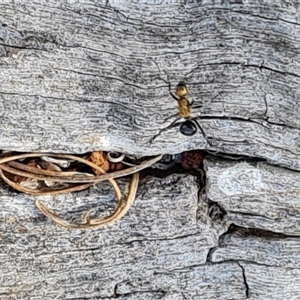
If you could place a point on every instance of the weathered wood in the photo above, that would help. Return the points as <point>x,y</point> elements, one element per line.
<point>159,250</point>
<point>272,283</point>
<point>255,194</point>
<point>195,278</point>
<point>162,236</point>
<point>78,76</point>
<point>265,249</point>
<point>81,76</point>
<point>259,196</point>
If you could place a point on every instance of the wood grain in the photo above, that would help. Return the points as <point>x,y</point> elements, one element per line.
<point>78,76</point>
<point>81,76</point>
<point>160,234</point>
<point>255,194</point>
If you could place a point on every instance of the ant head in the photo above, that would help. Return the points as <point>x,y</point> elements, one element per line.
<point>181,90</point>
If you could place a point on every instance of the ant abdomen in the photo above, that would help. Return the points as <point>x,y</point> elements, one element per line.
<point>188,128</point>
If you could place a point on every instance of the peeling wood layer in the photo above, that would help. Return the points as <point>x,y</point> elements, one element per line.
<point>77,77</point>
<point>255,194</point>
<point>266,250</point>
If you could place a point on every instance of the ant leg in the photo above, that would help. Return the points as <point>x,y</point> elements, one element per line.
<point>171,117</point>
<point>203,133</point>
<point>166,81</point>
<point>169,83</point>
<point>173,124</point>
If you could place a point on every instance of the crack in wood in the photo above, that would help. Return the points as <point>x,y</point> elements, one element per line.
<point>247,290</point>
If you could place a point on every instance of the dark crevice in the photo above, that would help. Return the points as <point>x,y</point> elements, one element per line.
<point>267,108</point>
<point>249,262</point>
<point>270,69</point>
<point>211,263</point>
<point>22,47</point>
<point>235,157</point>
<point>185,269</point>
<point>231,142</point>
<point>216,211</point>
<point>253,215</point>
<point>212,250</point>
<point>160,239</point>
<point>245,280</point>
<point>264,17</point>
<point>209,253</point>
<point>117,295</point>
<point>281,124</point>
<point>246,142</point>
<point>257,232</point>
<point>159,173</point>
<point>183,295</point>
<point>252,159</point>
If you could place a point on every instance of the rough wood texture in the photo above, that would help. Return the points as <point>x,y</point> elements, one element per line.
<point>255,194</point>
<point>264,197</point>
<point>78,76</point>
<point>162,237</point>
<point>270,262</point>
<point>81,76</point>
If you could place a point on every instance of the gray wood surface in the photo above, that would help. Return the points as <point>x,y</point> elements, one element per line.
<point>163,237</point>
<point>256,194</point>
<point>79,76</point>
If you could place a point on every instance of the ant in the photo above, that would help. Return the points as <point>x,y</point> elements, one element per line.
<point>188,127</point>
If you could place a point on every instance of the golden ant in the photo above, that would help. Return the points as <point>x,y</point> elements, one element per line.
<point>187,127</point>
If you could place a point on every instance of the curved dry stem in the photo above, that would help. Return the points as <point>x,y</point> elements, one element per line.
<point>35,170</point>
<point>77,178</point>
<point>121,209</point>
<point>53,178</point>
<point>86,181</point>
<point>42,192</point>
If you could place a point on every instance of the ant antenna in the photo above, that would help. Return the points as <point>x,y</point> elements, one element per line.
<point>167,82</point>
